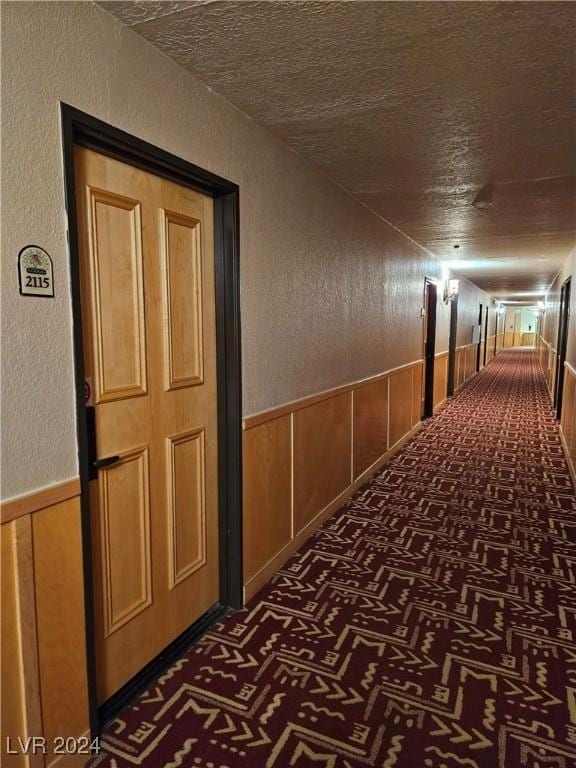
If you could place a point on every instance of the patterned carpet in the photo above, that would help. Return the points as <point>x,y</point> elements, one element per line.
<point>430,623</point>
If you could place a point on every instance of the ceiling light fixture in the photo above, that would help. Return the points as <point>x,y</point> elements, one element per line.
<point>483,199</point>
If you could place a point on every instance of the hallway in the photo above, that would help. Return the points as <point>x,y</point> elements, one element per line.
<point>428,623</point>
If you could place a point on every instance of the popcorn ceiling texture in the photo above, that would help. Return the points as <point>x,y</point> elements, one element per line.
<point>412,107</point>
<point>330,293</point>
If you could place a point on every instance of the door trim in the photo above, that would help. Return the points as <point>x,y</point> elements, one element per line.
<point>452,346</point>
<point>430,347</point>
<point>79,128</point>
<point>479,348</point>
<point>562,344</point>
<point>486,334</point>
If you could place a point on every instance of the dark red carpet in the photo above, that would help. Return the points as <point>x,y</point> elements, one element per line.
<point>430,623</point>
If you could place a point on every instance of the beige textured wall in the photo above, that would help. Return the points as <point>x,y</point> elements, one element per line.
<point>330,292</point>
<point>469,300</point>
<point>553,306</point>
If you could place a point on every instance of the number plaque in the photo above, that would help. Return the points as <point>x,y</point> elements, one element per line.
<point>35,272</point>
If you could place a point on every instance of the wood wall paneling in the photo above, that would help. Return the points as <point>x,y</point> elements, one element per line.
<point>322,456</point>
<point>311,446</point>
<point>267,492</point>
<point>460,367</point>
<point>46,497</point>
<point>370,424</point>
<point>58,582</point>
<point>400,405</point>
<point>417,389</point>
<point>440,379</point>
<point>568,420</point>
<point>21,711</point>
<point>470,361</point>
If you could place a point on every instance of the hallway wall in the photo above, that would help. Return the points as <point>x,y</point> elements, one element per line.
<point>553,305</point>
<point>330,295</point>
<point>548,355</point>
<point>312,256</point>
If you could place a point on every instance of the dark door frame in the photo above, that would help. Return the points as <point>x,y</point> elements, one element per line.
<point>431,299</point>
<point>452,346</point>
<point>479,348</point>
<point>562,344</point>
<point>81,129</point>
<point>486,333</point>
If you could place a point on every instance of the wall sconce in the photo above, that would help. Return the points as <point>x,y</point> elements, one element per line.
<point>542,306</point>
<point>450,290</point>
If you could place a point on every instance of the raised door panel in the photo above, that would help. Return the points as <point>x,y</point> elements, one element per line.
<point>181,247</point>
<point>116,278</point>
<point>186,505</point>
<point>322,456</point>
<point>400,409</point>
<point>370,424</point>
<point>125,539</point>
<point>267,473</point>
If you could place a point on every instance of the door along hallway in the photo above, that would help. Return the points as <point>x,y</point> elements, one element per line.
<point>429,623</point>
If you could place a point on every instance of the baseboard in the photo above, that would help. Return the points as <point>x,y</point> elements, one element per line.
<point>259,579</point>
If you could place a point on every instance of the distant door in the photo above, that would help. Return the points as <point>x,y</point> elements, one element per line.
<point>148,317</point>
<point>486,335</point>
<point>479,347</point>
<point>430,298</point>
<point>517,341</point>
<point>563,320</point>
<point>452,346</point>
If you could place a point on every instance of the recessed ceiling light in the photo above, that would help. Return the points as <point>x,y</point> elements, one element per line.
<point>483,199</point>
<point>456,246</point>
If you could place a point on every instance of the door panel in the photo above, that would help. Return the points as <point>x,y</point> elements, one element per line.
<point>181,250</point>
<point>147,277</point>
<point>125,507</point>
<point>186,505</point>
<point>117,294</point>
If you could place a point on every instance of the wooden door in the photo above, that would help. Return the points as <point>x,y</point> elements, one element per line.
<point>148,317</point>
<point>430,300</point>
<point>562,345</point>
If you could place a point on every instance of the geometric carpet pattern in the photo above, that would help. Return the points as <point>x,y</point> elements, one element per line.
<point>430,623</point>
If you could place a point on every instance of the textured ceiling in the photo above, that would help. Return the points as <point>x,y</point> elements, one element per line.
<point>412,107</point>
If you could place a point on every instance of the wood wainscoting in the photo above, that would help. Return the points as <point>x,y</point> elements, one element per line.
<point>568,420</point>
<point>465,366</point>
<point>44,678</point>
<point>440,378</point>
<point>495,345</point>
<point>547,358</point>
<point>303,460</point>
